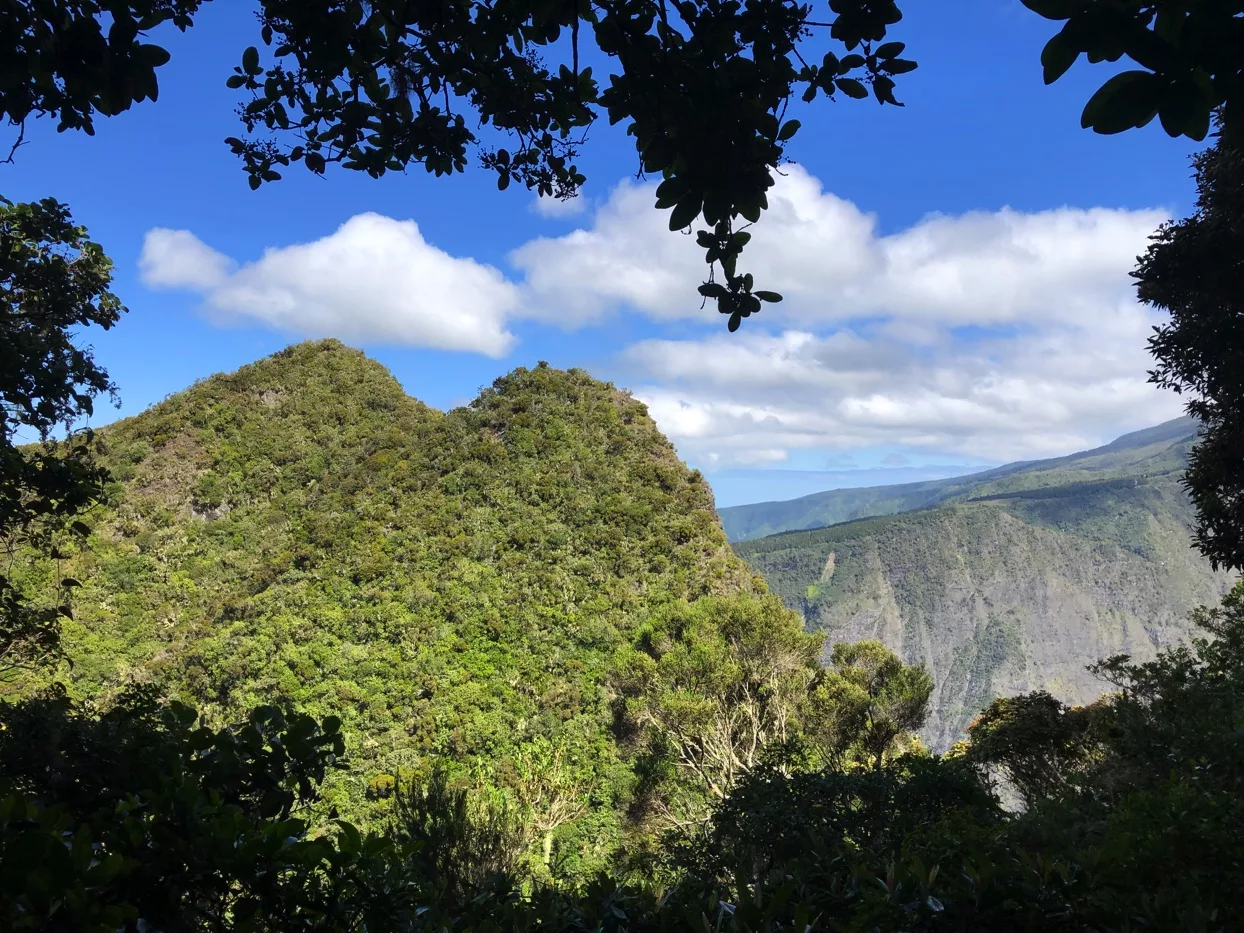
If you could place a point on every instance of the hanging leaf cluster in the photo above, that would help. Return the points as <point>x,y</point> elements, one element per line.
<point>702,86</point>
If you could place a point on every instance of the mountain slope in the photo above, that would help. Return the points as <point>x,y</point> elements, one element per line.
<point>1018,582</point>
<point>745,522</point>
<point>450,584</point>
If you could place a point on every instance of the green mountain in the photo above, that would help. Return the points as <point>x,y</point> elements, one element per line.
<point>449,584</point>
<point>745,522</point>
<point>1015,579</point>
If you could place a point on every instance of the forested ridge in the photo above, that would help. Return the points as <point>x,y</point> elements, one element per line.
<point>1158,451</point>
<point>451,585</point>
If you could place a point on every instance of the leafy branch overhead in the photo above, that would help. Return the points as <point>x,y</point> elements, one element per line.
<point>1190,53</point>
<point>380,85</point>
<point>71,59</point>
<point>703,86</point>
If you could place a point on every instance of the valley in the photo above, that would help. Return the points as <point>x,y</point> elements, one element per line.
<point>1005,582</point>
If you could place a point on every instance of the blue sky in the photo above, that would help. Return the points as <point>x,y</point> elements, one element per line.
<point>955,271</point>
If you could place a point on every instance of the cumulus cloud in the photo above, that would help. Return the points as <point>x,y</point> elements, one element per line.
<point>993,398</point>
<point>559,207</point>
<point>374,279</point>
<point>179,259</point>
<point>995,335</point>
<point>830,262</point>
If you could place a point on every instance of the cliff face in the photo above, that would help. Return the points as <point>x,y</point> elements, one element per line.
<point>1012,589</point>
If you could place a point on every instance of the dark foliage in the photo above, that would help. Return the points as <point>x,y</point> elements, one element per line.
<point>702,86</point>
<point>141,818</point>
<point>73,59</point>
<point>1194,269</point>
<point>1191,58</point>
<point>376,87</point>
<point>1034,742</point>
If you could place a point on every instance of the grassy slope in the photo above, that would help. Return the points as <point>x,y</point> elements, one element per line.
<point>449,583</point>
<point>1016,584</point>
<point>747,522</point>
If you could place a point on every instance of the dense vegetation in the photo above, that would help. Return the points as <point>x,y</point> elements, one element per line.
<point>799,797</point>
<point>1017,578</point>
<point>451,585</point>
<point>436,682</point>
<point>530,593</point>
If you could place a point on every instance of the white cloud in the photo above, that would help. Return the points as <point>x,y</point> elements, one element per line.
<point>1023,395</point>
<point>179,259</point>
<point>994,335</point>
<point>831,264</point>
<point>559,207</point>
<point>374,279</point>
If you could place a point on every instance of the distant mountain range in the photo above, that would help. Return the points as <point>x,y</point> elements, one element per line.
<point>745,522</point>
<point>1005,581</point>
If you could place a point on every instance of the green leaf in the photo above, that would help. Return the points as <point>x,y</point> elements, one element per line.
<point>1126,101</point>
<point>1057,57</point>
<point>670,191</point>
<point>898,66</point>
<point>153,55</point>
<point>686,211</point>
<point>852,88</point>
<point>235,81</point>
<point>891,49</point>
<point>1185,111</point>
<point>1053,9</point>
<point>771,297</point>
<point>789,129</point>
<point>250,61</point>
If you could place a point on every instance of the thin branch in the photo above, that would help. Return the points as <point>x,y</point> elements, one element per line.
<point>21,141</point>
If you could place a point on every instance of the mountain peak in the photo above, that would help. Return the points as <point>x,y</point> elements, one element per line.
<point>302,530</point>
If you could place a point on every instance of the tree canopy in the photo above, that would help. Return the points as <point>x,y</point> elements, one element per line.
<point>1190,53</point>
<point>52,279</point>
<point>1194,269</point>
<point>702,85</point>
